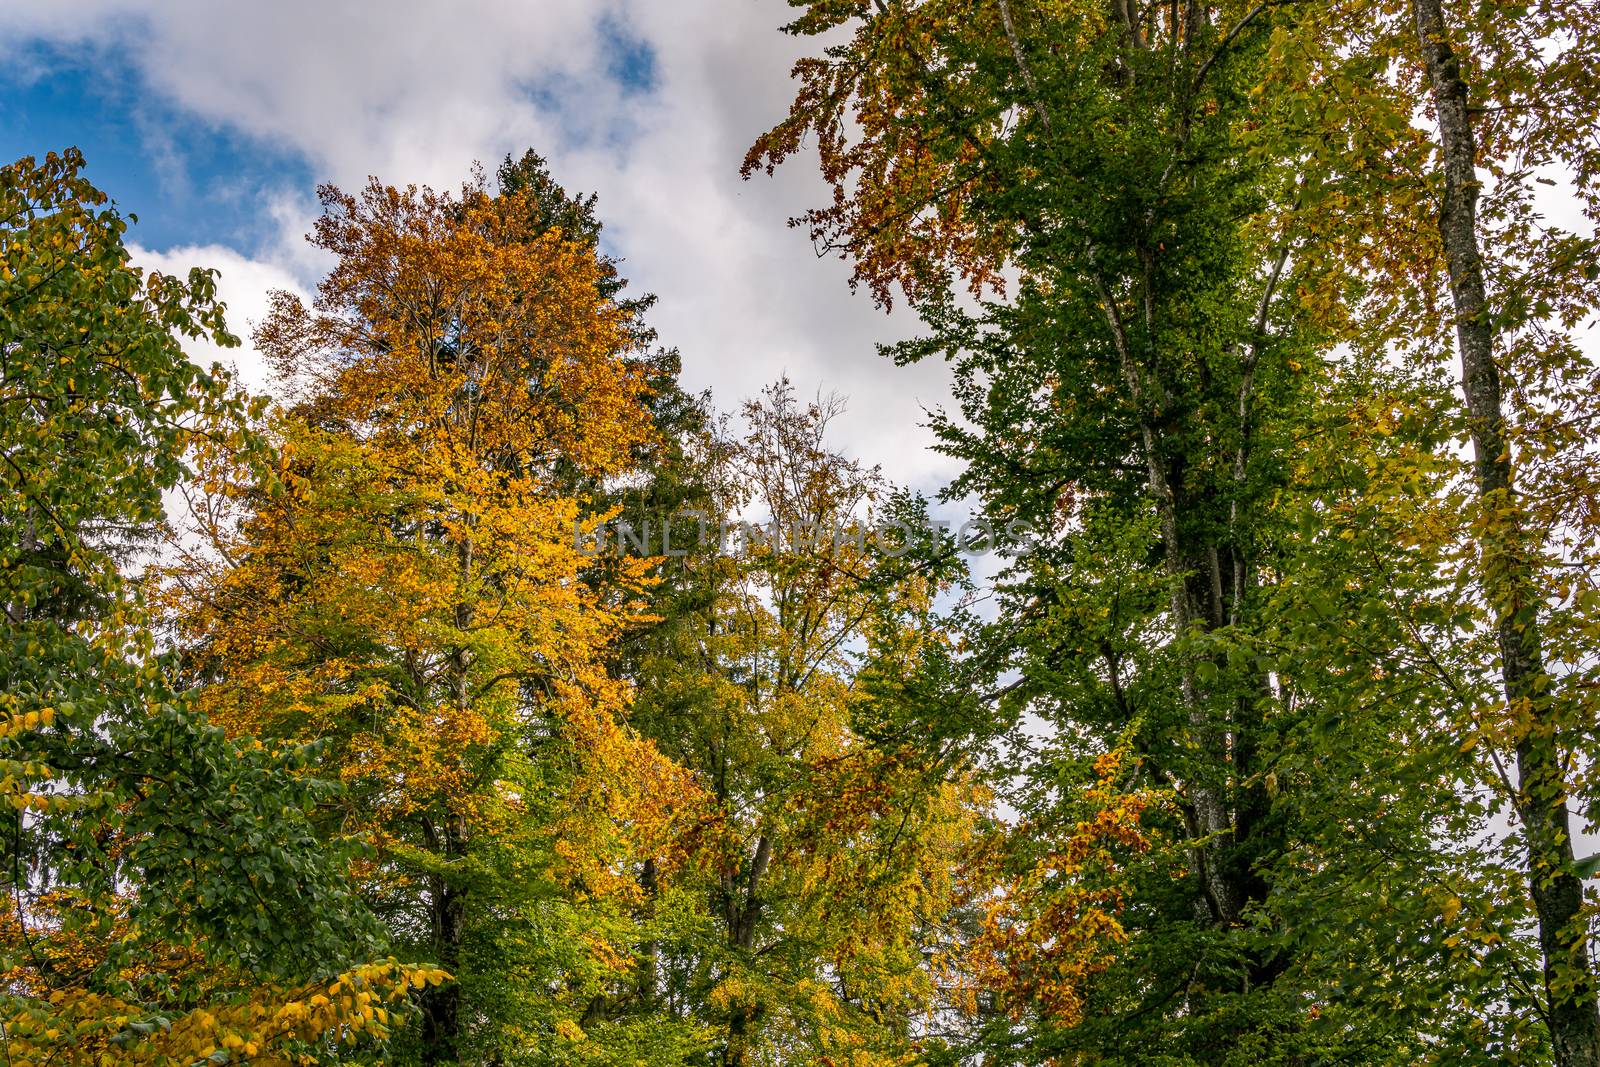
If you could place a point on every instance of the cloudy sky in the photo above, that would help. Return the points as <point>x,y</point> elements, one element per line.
<point>213,121</point>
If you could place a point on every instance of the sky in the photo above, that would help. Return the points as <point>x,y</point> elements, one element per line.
<point>214,121</point>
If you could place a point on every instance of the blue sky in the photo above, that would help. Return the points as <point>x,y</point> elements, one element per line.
<point>196,181</point>
<point>189,181</point>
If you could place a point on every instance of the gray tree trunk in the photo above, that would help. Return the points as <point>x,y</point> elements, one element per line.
<point>1507,577</point>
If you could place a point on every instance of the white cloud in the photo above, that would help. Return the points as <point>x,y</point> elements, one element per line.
<point>242,284</point>
<point>416,91</point>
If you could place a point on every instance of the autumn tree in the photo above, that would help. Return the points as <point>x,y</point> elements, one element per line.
<point>666,488</point>
<point>1508,576</point>
<point>1151,262</point>
<point>1151,386</point>
<point>815,927</point>
<point>410,590</point>
<point>1448,218</point>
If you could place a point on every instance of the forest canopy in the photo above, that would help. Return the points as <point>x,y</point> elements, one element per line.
<point>478,694</point>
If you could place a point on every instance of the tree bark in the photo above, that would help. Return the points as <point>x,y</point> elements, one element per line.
<point>1212,823</point>
<point>650,953</point>
<point>1507,576</point>
<point>743,915</point>
<point>441,1004</point>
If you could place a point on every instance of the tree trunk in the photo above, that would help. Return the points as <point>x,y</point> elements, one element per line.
<point>1207,802</point>
<point>650,953</point>
<point>1507,577</point>
<point>441,1004</point>
<point>743,915</point>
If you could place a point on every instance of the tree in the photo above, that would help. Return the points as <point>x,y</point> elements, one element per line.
<point>166,899</point>
<point>414,596</point>
<point>819,922</point>
<point>1158,400</point>
<point>1150,259</point>
<point>1507,577</point>
<point>1479,261</point>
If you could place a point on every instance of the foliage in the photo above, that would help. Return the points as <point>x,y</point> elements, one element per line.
<point>408,590</point>
<point>1205,376</point>
<point>824,902</point>
<point>153,868</point>
<point>1270,739</point>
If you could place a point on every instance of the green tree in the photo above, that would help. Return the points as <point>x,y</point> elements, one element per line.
<point>1451,255</point>
<point>1159,400</point>
<point>1508,570</point>
<point>817,923</point>
<point>165,894</point>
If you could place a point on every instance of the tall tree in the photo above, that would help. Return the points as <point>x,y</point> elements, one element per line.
<point>1139,333</point>
<point>1142,401</point>
<point>166,899</point>
<point>414,596</point>
<point>1454,256</point>
<point>1507,569</point>
<point>828,887</point>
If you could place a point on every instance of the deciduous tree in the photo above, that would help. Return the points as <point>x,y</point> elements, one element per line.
<point>166,899</point>
<point>410,590</point>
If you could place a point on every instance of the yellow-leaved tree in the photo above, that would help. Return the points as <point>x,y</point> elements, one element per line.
<point>822,930</point>
<point>411,592</point>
